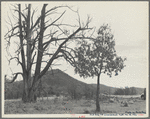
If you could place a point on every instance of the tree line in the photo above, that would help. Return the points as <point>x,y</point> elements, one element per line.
<point>15,90</point>
<point>126,91</point>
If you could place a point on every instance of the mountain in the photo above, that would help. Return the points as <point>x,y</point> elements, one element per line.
<point>61,80</point>
<point>57,82</point>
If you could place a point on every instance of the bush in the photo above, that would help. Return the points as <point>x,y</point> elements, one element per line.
<point>57,94</point>
<point>86,111</point>
<point>119,92</point>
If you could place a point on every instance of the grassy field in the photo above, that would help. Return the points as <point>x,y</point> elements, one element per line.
<point>60,106</point>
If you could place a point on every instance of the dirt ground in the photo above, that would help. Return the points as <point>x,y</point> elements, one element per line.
<point>59,106</point>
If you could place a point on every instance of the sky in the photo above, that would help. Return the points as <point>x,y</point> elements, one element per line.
<point>129,24</point>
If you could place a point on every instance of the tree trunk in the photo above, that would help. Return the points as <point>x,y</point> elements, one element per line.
<point>29,54</point>
<point>29,93</point>
<point>29,96</point>
<point>97,95</point>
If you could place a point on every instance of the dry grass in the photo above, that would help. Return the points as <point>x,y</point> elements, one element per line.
<point>58,106</point>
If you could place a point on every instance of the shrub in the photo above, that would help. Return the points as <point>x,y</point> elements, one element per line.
<point>57,94</point>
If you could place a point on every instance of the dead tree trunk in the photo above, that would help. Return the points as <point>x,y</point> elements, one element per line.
<point>28,93</point>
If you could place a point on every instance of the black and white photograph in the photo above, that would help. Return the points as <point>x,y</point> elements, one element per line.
<point>74,59</point>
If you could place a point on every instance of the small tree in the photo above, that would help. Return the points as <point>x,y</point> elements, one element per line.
<point>97,57</point>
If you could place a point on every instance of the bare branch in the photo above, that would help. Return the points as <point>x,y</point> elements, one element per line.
<point>84,38</point>
<point>32,18</point>
<point>36,23</point>
<point>58,56</point>
<point>21,14</point>
<point>34,41</point>
<point>32,61</point>
<point>79,18</point>
<point>88,21</point>
<point>41,62</point>
<point>56,53</point>
<point>12,34</point>
<point>54,8</point>
<point>11,30</point>
<point>14,6</point>
<point>62,31</point>
<point>65,25</point>
<point>93,32</point>
<point>21,41</point>
<point>50,35</point>
<point>17,60</point>
<point>68,57</point>
<point>47,60</point>
<point>14,78</point>
<point>48,54</point>
<point>69,48</point>
<point>55,20</point>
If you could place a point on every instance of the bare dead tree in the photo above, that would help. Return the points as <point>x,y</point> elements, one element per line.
<point>36,40</point>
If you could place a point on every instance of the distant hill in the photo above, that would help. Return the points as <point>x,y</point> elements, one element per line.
<point>60,79</point>
<point>62,82</point>
<point>105,89</point>
<point>58,82</point>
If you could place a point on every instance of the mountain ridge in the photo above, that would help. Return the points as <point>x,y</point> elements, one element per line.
<point>58,82</point>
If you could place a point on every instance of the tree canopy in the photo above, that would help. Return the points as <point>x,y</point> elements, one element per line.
<point>98,55</point>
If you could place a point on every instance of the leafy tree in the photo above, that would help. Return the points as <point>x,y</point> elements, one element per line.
<point>97,57</point>
<point>40,40</point>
